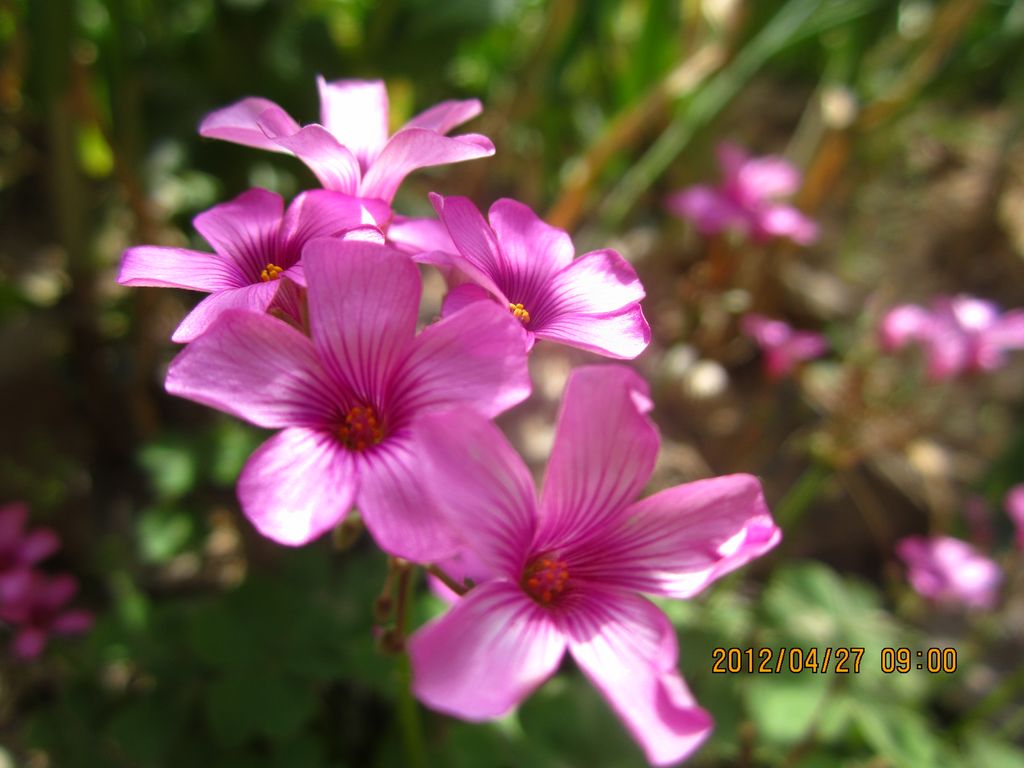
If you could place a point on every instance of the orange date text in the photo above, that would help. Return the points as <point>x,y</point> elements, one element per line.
<point>839,661</point>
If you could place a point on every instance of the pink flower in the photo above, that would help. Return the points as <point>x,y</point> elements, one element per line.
<point>782,346</point>
<point>348,398</point>
<point>946,569</point>
<point>528,266</point>
<point>745,200</point>
<point>961,334</point>
<point>564,572</point>
<point>1015,508</point>
<point>350,150</point>
<point>39,611</point>
<point>255,243</point>
<point>20,550</point>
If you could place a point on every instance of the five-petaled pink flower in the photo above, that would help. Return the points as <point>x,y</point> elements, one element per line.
<point>256,243</point>
<point>1015,508</point>
<point>528,266</point>
<point>745,201</point>
<point>348,398</point>
<point>961,334</point>
<point>782,346</point>
<point>21,550</point>
<point>565,572</point>
<point>350,150</point>
<point>946,569</point>
<point>39,610</point>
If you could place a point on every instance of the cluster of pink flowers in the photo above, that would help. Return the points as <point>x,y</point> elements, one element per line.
<point>746,200</point>
<point>946,569</point>
<point>783,347</point>
<point>961,334</point>
<point>33,603</point>
<point>310,328</point>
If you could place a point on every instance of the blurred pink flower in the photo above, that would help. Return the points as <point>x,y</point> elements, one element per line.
<point>961,334</point>
<point>745,201</point>
<point>20,549</point>
<point>350,150</point>
<point>348,398</point>
<point>946,569</point>
<point>782,346</point>
<point>564,573</point>
<point>255,243</point>
<point>528,266</point>
<point>38,611</point>
<point>1015,508</point>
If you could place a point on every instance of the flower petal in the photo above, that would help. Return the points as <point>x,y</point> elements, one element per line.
<point>806,345</point>
<point>627,648</point>
<point>323,213</point>
<point>297,485</point>
<point>245,230</point>
<point>333,164</point>
<point>363,303</point>
<point>73,622</point>
<point>623,334</point>
<point>708,209</point>
<point>473,360</point>
<point>415,236</point>
<point>12,523</point>
<point>483,487</point>
<point>1007,332</point>
<point>462,296</point>
<point>29,643</point>
<point>414,148</point>
<point>249,298</point>
<point>678,541</point>
<point>257,368</point>
<point>152,265</point>
<point>603,454</point>
<point>767,177</point>
<point>356,113</point>
<point>396,502</point>
<point>481,258</point>
<point>239,123</point>
<point>767,332</point>
<point>486,654</point>
<point>786,221</point>
<point>38,545</point>
<point>532,250</point>
<point>446,115</point>
<point>596,283</point>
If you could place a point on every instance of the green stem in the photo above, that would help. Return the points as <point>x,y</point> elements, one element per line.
<point>803,493</point>
<point>407,709</point>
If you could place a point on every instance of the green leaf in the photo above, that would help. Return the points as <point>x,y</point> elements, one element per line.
<point>171,467</point>
<point>810,603</point>
<point>898,734</point>
<point>785,707</point>
<point>243,704</point>
<point>163,533</point>
<point>233,443</point>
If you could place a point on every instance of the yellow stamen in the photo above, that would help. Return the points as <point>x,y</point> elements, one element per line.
<point>272,272</point>
<point>520,313</point>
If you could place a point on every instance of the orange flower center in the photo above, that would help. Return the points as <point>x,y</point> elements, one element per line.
<point>519,312</point>
<point>361,429</point>
<point>270,272</point>
<point>545,579</point>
